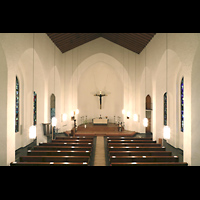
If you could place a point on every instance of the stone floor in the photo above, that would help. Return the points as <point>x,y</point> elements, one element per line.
<point>99,159</point>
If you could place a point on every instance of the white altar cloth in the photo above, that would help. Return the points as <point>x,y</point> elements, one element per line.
<point>100,121</point>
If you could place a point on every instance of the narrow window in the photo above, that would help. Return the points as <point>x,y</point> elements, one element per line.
<point>182,105</point>
<point>17,105</point>
<point>34,108</point>
<point>52,111</point>
<point>165,108</point>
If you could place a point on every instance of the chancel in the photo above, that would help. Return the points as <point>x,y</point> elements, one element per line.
<point>151,76</point>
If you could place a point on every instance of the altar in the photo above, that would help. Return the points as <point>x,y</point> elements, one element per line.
<point>100,121</point>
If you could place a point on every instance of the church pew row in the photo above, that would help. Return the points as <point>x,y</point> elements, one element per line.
<point>136,148</point>
<point>66,144</point>
<point>54,159</point>
<point>79,148</point>
<point>63,151</point>
<point>134,164</point>
<point>75,137</point>
<point>58,153</point>
<point>36,157</point>
<point>128,138</point>
<point>140,153</point>
<point>130,141</point>
<point>134,144</point>
<point>73,140</point>
<point>48,164</point>
<point>114,159</point>
<point>128,152</point>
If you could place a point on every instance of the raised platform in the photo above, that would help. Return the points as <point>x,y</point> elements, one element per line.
<point>102,130</point>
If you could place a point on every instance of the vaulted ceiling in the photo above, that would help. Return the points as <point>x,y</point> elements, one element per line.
<point>135,42</point>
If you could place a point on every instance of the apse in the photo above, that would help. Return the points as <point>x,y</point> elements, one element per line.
<point>103,77</point>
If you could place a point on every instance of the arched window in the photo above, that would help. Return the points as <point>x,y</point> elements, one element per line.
<point>52,106</point>
<point>165,108</point>
<point>34,108</point>
<point>17,105</point>
<point>182,104</point>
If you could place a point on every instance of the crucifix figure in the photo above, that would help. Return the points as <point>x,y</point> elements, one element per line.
<point>100,96</point>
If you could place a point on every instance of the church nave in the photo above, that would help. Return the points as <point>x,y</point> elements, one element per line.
<point>130,83</point>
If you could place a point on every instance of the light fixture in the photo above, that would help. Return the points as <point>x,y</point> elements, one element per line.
<point>166,132</point>
<point>145,122</point>
<point>32,132</point>
<point>64,117</point>
<point>166,129</point>
<point>54,121</point>
<point>32,129</point>
<point>128,114</point>
<point>77,111</point>
<point>135,117</point>
<point>123,111</point>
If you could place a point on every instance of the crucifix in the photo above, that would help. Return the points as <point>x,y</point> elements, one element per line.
<point>100,96</point>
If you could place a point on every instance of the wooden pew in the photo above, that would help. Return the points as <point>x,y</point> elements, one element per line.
<point>54,159</point>
<point>66,144</point>
<point>48,164</point>
<point>135,148</point>
<point>128,138</point>
<point>130,141</point>
<point>74,140</point>
<point>63,151</point>
<point>58,153</point>
<point>140,153</point>
<point>75,148</point>
<point>114,159</point>
<point>76,137</point>
<point>135,144</point>
<point>134,164</point>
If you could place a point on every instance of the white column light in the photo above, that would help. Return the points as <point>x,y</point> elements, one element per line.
<point>145,122</point>
<point>32,132</point>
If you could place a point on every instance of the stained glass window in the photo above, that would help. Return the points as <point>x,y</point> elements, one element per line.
<point>53,110</point>
<point>182,104</point>
<point>165,109</point>
<point>34,108</point>
<point>17,105</point>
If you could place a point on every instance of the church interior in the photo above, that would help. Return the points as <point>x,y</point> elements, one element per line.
<point>103,95</point>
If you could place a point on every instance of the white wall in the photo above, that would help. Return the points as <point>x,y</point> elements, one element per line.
<point>181,51</point>
<point>195,110</point>
<point>104,77</point>
<point>17,60</point>
<point>3,107</point>
<point>100,65</point>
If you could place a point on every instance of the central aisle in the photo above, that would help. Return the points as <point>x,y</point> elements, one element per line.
<point>99,159</point>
